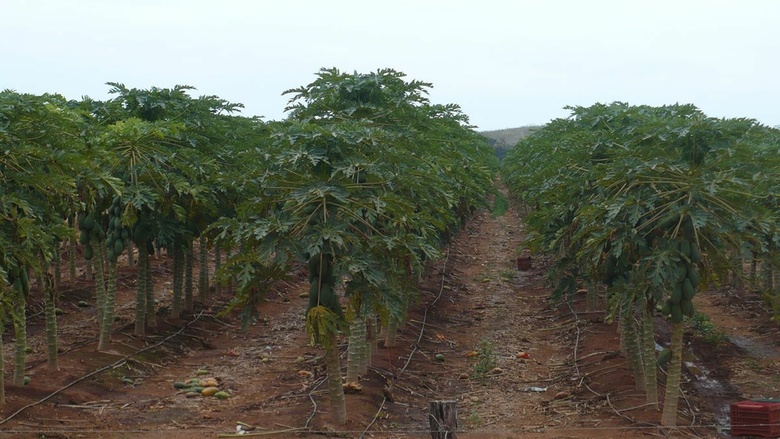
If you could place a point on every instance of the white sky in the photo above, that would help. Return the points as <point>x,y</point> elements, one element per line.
<point>507,63</point>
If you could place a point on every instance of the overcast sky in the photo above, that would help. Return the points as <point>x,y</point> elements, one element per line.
<point>506,63</point>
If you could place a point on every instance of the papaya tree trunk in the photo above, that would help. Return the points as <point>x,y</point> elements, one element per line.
<point>630,337</point>
<point>100,284</point>
<point>673,374</point>
<point>188,262</point>
<point>593,296</point>
<point>356,351</point>
<point>151,307</point>
<point>49,303</point>
<point>372,341</point>
<point>648,355</point>
<point>2,367</point>
<point>217,264</point>
<point>203,272</point>
<point>71,254</point>
<point>108,312</point>
<point>88,272</point>
<point>20,332</point>
<point>57,268</point>
<point>130,254</point>
<point>140,296</point>
<point>391,331</point>
<point>178,280</point>
<point>338,404</point>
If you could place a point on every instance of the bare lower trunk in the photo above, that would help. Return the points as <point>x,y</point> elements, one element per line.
<point>357,349</point>
<point>151,306</point>
<point>2,369</point>
<point>140,296</point>
<point>630,336</point>
<point>130,254</point>
<point>390,332</point>
<point>593,296</point>
<point>108,312</point>
<point>49,303</point>
<point>372,342</point>
<point>71,254</point>
<point>673,373</point>
<point>100,285</point>
<point>338,406</point>
<point>178,281</point>
<point>203,272</point>
<point>648,355</point>
<point>20,332</point>
<point>188,256</point>
<point>217,264</point>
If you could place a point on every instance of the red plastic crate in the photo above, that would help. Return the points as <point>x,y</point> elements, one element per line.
<point>755,418</point>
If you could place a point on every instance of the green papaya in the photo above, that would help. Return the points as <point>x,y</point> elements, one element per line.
<point>677,293</point>
<point>685,248</point>
<point>695,254</point>
<point>688,229</point>
<point>664,357</point>
<point>89,222</point>
<point>118,247</point>
<point>84,237</point>
<point>667,308</point>
<point>677,315</point>
<point>682,271</point>
<point>693,276</point>
<point>686,306</point>
<point>80,220</point>
<point>687,290</point>
<point>361,177</point>
<point>88,252</point>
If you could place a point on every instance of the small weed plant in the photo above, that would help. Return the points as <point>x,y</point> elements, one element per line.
<point>703,326</point>
<point>486,360</point>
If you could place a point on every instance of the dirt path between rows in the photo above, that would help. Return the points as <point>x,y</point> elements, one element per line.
<point>483,333</point>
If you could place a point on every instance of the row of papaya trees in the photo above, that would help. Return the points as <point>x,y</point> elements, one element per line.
<point>362,183</point>
<point>651,205</point>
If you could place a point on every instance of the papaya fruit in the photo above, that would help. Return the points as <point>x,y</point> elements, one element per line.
<point>693,276</point>
<point>88,252</point>
<point>677,294</point>
<point>89,222</point>
<point>686,306</point>
<point>682,271</point>
<point>209,391</point>
<point>664,357</point>
<point>695,254</point>
<point>687,290</point>
<point>685,248</point>
<point>688,230</point>
<point>84,237</point>
<point>677,315</point>
<point>118,247</point>
<point>667,308</point>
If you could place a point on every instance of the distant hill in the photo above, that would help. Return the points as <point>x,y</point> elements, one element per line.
<point>503,140</point>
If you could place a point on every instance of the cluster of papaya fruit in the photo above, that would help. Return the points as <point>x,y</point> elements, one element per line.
<point>321,282</point>
<point>20,279</point>
<point>680,301</point>
<point>118,236</point>
<point>91,231</point>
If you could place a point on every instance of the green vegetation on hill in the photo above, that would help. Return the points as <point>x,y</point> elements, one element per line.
<point>503,140</point>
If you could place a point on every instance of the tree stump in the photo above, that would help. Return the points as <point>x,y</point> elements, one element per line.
<point>443,417</point>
